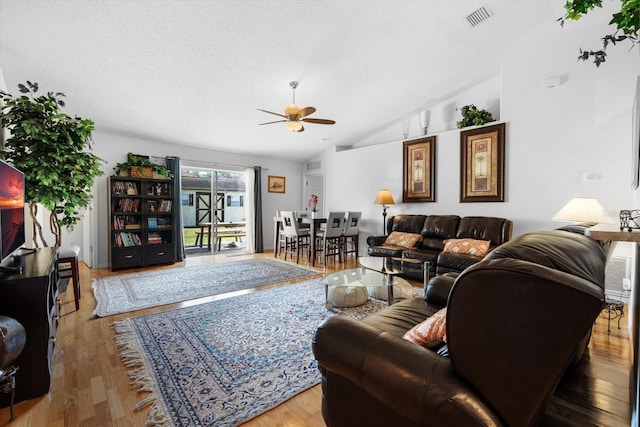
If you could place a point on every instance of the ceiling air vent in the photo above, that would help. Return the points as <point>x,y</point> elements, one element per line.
<point>478,16</point>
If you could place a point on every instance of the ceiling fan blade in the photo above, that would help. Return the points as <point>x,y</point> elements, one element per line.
<point>301,128</point>
<point>271,112</point>
<point>305,112</point>
<point>268,123</point>
<point>319,121</point>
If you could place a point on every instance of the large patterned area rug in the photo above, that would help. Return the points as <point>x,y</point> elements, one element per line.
<point>129,292</point>
<point>225,362</point>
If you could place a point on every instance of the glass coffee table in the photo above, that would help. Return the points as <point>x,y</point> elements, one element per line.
<point>395,266</point>
<point>374,271</point>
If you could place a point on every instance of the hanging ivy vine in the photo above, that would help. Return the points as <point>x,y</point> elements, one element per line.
<point>627,22</point>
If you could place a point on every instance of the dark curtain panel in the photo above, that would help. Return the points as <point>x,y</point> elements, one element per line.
<point>173,163</point>
<point>257,205</point>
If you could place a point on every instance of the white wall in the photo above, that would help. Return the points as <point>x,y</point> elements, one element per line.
<point>114,148</point>
<point>554,136</point>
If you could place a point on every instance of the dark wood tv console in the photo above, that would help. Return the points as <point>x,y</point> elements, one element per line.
<point>30,296</point>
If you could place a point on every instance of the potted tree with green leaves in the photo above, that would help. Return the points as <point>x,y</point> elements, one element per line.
<point>52,149</point>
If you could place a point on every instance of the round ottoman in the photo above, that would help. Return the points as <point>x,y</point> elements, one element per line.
<point>401,290</point>
<point>346,296</point>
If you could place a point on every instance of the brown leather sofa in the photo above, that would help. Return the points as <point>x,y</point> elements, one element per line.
<point>435,229</point>
<point>515,322</point>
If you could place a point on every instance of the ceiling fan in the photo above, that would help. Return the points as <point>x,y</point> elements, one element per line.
<point>294,115</point>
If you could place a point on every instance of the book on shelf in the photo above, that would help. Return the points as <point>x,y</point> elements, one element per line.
<point>164,222</point>
<point>165,205</point>
<point>125,239</point>
<point>128,205</point>
<point>125,187</point>
<point>126,222</point>
<point>154,239</point>
<point>152,223</point>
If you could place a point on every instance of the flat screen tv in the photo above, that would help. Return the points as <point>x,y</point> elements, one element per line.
<point>11,209</point>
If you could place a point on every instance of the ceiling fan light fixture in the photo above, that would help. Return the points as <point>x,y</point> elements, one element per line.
<point>294,115</point>
<point>294,126</point>
<point>292,110</point>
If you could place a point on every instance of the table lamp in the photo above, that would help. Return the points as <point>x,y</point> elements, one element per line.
<point>384,198</point>
<point>583,211</point>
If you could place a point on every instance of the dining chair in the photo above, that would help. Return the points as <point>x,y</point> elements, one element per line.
<point>351,233</point>
<point>300,215</point>
<point>329,240</point>
<point>282,239</point>
<point>296,237</point>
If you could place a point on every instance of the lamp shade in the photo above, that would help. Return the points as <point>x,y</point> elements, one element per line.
<point>291,110</point>
<point>583,210</point>
<point>384,197</point>
<point>293,126</point>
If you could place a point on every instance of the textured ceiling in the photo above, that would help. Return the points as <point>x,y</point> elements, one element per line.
<point>195,72</point>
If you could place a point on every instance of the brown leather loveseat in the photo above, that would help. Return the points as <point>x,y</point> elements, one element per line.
<point>433,231</point>
<point>515,321</point>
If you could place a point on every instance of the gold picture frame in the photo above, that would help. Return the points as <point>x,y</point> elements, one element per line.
<point>419,170</point>
<point>276,184</point>
<point>482,164</point>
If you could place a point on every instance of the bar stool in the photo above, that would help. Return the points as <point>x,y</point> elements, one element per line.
<point>351,234</point>
<point>68,266</point>
<point>329,240</point>
<point>296,238</point>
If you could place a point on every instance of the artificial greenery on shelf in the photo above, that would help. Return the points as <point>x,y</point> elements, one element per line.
<point>471,116</point>
<point>144,162</point>
<point>627,22</point>
<point>52,149</point>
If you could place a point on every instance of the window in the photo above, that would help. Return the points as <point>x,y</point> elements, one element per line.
<point>235,200</point>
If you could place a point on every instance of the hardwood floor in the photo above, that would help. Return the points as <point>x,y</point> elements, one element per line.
<point>90,386</point>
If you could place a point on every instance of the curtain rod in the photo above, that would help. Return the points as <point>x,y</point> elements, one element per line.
<point>210,163</point>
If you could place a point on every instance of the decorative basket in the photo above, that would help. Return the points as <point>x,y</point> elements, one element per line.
<point>141,172</point>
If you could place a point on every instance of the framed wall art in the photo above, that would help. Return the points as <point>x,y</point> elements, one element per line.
<point>482,164</point>
<point>276,184</point>
<point>419,170</point>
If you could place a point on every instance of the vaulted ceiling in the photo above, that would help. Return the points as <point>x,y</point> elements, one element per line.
<point>195,72</point>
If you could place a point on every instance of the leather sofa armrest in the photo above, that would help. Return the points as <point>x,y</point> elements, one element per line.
<point>456,262</point>
<point>438,288</point>
<point>414,381</point>
<point>376,240</point>
<point>499,315</point>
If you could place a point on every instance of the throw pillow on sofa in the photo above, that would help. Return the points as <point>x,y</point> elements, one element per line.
<point>405,240</point>
<point>466,246</point>
<point>431,332</point>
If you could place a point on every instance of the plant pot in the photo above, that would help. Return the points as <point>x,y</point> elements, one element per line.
<point>141,172</point>
<point>156,175</point>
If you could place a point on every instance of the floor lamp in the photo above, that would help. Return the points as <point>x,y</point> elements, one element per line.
<point>384,198</point>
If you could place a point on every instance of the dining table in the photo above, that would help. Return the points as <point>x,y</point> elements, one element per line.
<point>314,225</point>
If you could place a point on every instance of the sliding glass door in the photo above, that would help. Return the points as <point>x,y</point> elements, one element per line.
<point>213,213</point>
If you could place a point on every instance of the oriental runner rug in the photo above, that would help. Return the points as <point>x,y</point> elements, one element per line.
<point>225,362</point>
<point>130,292</point>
